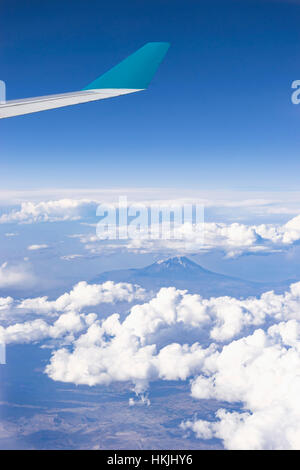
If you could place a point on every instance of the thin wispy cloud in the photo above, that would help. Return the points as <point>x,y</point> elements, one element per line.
<point>37,247</point>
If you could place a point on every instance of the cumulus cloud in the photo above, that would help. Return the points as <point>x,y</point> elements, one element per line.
<point>85,295</point>
<point>15,275</point>
<point>6,303</point>
<point>258,370</point>
<point>37,247</point>
<point>164,321</point>
<point>243,352</point>
<point>234,239</point>
<point>49,211</point>
<point>81,296</point>
<point>68,323</point>
<point>123,358</point>
<point>261,372</point>
<point>65,310</point>
<point>252,202</point>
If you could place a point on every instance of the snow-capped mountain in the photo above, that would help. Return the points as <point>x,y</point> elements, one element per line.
<point>183,273</point>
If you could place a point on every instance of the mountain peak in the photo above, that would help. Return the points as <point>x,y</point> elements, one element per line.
<point>175,266</point>
<point>182,273</point>
<point>176,261</point>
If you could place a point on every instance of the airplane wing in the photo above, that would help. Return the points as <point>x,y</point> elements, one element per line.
<point>129,76</point>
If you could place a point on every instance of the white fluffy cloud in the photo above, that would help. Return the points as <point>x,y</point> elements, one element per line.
<point>6,303</point>
<point>261,372</point>
<point>97,361</point>
<point>258,370</point>
<point>15,275</point>
<point>37,247</point>
<point>234,239</point>
<point>68,323</point>
<point>65,310</point>
<point>84,295</point>
<point>46,201</point>
<point>49,211</point>
<point>235,351</point>
<point>164,321</point>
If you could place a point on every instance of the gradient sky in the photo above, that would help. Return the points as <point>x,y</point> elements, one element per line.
<point>218,113</point>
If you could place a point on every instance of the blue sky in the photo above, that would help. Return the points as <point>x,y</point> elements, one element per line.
<point>217,115</point>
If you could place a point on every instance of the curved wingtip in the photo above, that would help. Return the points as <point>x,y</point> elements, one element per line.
<point>134,72</point>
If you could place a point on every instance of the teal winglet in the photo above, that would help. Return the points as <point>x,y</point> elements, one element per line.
<point>134,72</point>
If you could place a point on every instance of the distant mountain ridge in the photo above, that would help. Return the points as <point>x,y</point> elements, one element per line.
<point>182,273</point>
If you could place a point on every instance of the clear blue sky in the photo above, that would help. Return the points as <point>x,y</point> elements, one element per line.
<point>217,115</point>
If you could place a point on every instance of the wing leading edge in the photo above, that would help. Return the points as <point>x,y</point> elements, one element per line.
<point>42,103</point>
<point>130,76</point>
